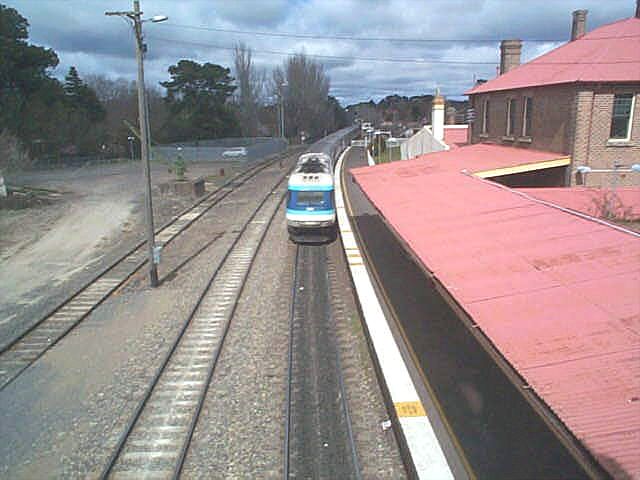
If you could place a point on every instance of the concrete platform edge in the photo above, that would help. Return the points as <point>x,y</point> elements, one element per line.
<point>423,447</point>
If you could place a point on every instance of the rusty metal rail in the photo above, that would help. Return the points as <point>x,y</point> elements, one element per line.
<point>28,347</point>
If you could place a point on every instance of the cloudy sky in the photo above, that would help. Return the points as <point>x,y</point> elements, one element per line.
<point>368,32</point>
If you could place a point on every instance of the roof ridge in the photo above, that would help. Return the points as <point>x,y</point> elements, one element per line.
<point>605,25</point>
<point>572,61</point>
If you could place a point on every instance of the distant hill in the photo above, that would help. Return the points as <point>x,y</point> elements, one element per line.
<point>409,111</point>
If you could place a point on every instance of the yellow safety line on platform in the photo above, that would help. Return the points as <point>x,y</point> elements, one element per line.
<point>410,409</point>
<point>461,454</point>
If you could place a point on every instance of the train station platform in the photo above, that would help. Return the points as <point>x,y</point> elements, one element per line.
<point>547,295</point>
<point>475,413</point>
<point>413,424</point>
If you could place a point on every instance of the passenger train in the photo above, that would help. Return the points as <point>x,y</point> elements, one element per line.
<point>311,213</point>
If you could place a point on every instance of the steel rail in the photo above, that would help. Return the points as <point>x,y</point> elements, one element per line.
<point>343,398</point>
<point>167,359</point>
<point>27,360</point>
<point>287,424</point>
<point>290,375</point>
<point>140,244</point>
<point>379,288</point>
<point>194,421</point>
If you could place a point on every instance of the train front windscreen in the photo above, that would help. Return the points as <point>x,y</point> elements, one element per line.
<point>310,201</point>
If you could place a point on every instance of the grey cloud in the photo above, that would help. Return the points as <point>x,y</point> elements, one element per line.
<point>266,13</point>
<point>83,36</point>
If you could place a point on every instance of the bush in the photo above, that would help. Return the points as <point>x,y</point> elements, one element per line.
<point>12,156</point>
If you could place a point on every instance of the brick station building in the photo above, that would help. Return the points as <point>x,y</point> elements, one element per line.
<point>581,100</point>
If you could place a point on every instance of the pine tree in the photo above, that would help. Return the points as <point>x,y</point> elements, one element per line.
<point>197,96</point>
<point>73,85</point>
<point>84,110</point>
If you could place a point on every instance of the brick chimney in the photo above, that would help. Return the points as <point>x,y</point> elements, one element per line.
<point>450,116</point>
<point>509,55</point>
<point>579,25</point>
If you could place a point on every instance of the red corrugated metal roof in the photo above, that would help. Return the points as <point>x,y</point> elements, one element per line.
<point>610,53</point>
<point>558,294</point>
<point>455,136</point>
<point>482,157</point>
<point>624,202</point>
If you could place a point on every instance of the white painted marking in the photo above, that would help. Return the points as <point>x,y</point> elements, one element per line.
<point>164,415</point>
<point>146,442</point>
<point>191,366</point>
<point>185,383</point>
<point>421,438</point>
<point>424,448</point>
<point>145,454</point>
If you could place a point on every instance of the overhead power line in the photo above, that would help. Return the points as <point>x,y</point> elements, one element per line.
<point>419,61</point>
<point>345,37</point>
<point>330,57</point>
<point>356,38</point>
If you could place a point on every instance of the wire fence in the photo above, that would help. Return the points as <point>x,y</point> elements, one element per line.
<point>192,151</point>
<point>227,149</point>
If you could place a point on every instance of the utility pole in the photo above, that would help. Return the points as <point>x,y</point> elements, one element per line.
<point>283,85</point>
<point>282,116</point>
<point>136,18</point>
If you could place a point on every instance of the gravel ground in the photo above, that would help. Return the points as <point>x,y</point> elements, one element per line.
<point>42,263</point>
<point>63,415</point>
<point>240,432</point>
<point>378,451</point>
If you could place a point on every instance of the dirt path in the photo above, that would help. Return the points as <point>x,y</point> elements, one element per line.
<point>47,252</point>
<point>68,247</point>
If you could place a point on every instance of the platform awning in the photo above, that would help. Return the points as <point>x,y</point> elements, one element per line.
<point>524,167</point>
<point>488,160</point>
<point>557,293</point>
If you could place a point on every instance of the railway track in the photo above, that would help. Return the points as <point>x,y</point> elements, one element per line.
<point>156,439</point>
<point>319,440</point>
<point>23,351</point>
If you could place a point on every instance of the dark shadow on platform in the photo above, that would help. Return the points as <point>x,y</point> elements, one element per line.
<point>500,433</point>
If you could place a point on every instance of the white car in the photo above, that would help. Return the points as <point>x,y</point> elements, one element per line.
<point>235,152</point>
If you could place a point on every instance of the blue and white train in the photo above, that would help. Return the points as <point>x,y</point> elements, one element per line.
<point>311,213</point>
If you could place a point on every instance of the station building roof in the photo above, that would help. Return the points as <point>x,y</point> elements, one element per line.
<point>556,292</point>
<point>608,54</point>
<point>488,160</point>
<point>623,202</point>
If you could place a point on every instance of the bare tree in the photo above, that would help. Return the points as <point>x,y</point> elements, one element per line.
<point>305,95</point>
<point>250,89</point>
<point>120,99</point>
<point>108,89</point>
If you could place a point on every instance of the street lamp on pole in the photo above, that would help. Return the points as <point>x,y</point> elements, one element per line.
<point>136,18</point>
<point>131,139</point>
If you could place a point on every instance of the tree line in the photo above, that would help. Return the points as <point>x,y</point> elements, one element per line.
<point>43,117</point>
<point>404,110</point>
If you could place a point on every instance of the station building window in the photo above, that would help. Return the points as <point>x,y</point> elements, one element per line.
<point>621,116</point>
<point>511,117</point>
<point>485,117</point>
<point>527,107</point>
